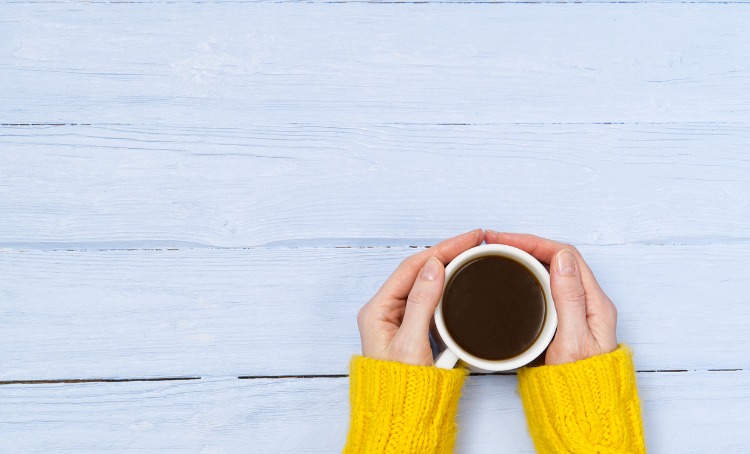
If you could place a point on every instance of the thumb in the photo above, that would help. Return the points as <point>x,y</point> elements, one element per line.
<point>569,297</point>
<point>422,300</point>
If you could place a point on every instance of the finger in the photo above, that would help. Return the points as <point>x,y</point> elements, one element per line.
<point>411,343</point>
<point>541,248</point>
<point>544,250</point>
<point>424,297</point>
<point>398,285</point>
<point>569,297</point>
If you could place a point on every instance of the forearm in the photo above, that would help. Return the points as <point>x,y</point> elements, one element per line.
<point>590,406</point>
<point>402,408</point>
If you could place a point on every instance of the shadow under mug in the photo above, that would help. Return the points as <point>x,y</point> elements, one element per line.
<point>453,353</point>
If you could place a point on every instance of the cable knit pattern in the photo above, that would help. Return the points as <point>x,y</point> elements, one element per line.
<point>399,408</point>
<point>590,406</point>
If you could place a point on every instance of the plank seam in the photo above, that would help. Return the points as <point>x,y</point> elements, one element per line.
<point>474,374</point>
<point>277,377</point>
<point>336,2</point>
<point>282,377</point>
<point>94,380</point>
<point>514,123</point>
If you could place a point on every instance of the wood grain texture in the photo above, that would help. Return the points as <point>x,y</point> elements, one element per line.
<point>292,311</point>
<point>233,64</point>
<point>684,413</point>
<point>141,187</point>
<point>382,2</point>
<point>182,221</point>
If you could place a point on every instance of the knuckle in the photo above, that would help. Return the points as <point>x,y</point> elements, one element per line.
<point>435,252</point>
<point>407,265</point>
<point>362,316</point>
<point>410,261</point>
<point>574,293</point>
<point>612,310</point>
<point>606,307</point>
<point>405,262</point>
<point>419,296</point>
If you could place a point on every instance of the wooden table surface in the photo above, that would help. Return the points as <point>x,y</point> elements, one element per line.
<point>196,197</point>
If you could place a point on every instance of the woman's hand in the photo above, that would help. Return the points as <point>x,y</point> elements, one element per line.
<point>394,325</point>
<point>586,316</point>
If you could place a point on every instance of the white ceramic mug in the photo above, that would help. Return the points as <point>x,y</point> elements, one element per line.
<point>453,353</point>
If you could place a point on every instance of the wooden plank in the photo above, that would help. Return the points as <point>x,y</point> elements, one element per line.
<point>292,311</point>
<point>141,187</point>
<point>246,63</point>
<point>383,2</point>
<point>683,413</point>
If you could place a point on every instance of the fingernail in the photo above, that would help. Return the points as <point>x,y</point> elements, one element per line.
<point>430,269</point>
<point>566,263</point>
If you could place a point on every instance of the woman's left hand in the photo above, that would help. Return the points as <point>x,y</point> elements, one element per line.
<point>394,325</point>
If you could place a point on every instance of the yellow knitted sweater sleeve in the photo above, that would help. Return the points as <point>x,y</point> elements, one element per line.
<point>587,407</point>
<point>399,408</point>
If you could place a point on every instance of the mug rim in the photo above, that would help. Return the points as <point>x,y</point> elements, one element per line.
<point>550,320</point>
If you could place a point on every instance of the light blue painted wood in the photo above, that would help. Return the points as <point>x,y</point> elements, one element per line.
<point>242,63</point>
<point>700,412</point>
<point>280,311</point>
<point>384,2</point>
<point>300,127</point>
<point>295,185</point>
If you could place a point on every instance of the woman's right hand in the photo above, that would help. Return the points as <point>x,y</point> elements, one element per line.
<point>587,319</point>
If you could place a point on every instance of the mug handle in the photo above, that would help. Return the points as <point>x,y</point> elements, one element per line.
<point>446,359</point>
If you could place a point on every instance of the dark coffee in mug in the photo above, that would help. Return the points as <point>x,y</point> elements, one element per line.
<point>494,307</point>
